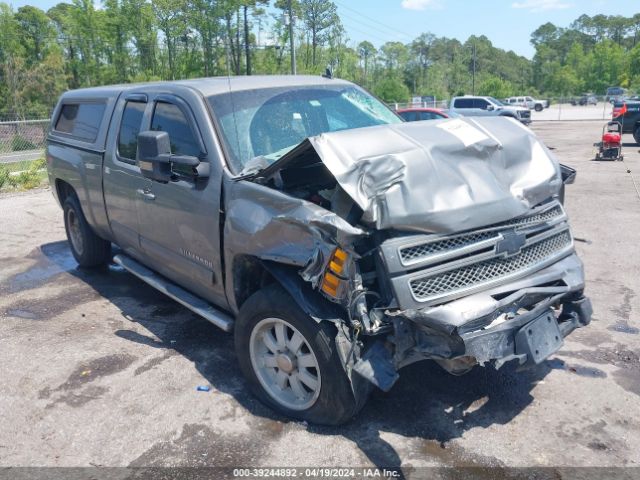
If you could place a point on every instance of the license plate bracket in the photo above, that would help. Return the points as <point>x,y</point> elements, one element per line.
<point>539,338</point>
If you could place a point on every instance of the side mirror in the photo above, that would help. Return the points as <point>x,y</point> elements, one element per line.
<point>568,174</point>
<point>489,107</point>
<point>155,158</point>
<point>154,155</point>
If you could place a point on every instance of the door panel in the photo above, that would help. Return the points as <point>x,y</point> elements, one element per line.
<point>179,223</point>
<point>480,107</point>
<point>122,178</point>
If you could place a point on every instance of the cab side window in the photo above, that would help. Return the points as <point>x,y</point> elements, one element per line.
<point>429,116</point>
<point>129,130</point>
<point>409,116</point>
<point>480,103</point>
<point>169,118</point>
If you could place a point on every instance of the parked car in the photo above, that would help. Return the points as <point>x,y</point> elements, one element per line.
<point>337,242</point>
<point>615,94</point>
<point>488,106</point>
<point>627,113</point>
<point>585,99</point>
<point>414,114</point>
<point>528,102</point>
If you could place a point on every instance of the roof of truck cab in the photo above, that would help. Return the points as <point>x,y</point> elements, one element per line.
<point>212,85</point>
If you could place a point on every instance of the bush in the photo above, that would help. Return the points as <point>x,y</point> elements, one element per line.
<point>18,142</point>
<point>29,178</point>
<point>392,90</point>
<point>4,176</point>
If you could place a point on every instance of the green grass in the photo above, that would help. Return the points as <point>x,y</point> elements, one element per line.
<point>20,166</point>
<point>23,175</point>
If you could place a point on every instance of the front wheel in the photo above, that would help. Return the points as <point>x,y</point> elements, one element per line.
<point>290,361</point>
<point>636,135</point>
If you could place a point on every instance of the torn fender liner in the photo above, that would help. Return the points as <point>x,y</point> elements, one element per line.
<point>308,299</point>
<point>444,176</point>
<point>376,365</point>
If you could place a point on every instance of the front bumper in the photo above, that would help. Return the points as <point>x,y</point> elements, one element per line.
<point>484,327</point>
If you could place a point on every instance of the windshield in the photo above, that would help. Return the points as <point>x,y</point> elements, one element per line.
<point>266,123</point>
<point>496,102</point>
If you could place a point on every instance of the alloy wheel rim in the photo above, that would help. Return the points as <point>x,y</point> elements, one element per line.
<point>75,235</point>
<point>285,364</point>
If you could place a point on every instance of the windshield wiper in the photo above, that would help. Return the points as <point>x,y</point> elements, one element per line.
<point>249,176</point>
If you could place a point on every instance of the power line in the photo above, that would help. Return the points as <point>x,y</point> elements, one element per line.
<point>367,33</point>
<point>380,24</point>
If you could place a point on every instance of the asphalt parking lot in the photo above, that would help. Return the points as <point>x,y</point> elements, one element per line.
<point>98,369</point>
<point>565,111</point>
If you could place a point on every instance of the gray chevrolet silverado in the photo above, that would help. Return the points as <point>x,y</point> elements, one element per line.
<point>337,242</point>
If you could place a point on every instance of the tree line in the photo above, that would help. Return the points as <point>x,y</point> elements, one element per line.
<point>592,54</point>
<point>73,45</point>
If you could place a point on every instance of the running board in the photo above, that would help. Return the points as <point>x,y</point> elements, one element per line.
<point>180,295</point>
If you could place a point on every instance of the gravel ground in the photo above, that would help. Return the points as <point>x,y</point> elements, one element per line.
<point>100,370</point>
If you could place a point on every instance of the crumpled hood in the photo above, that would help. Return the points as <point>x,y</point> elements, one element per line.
<point>440,176</point>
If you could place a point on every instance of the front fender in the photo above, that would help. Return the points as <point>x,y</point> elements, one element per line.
<point>312,302</point>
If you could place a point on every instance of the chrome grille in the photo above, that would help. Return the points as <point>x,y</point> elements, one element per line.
<point>416,252</point>
<point>412,254</point>
<point>545,216</point>
<point>487,271</point>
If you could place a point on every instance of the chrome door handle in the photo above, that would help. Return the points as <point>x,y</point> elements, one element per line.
<point>146,194</point>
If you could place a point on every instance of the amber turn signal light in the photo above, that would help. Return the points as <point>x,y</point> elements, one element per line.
<point>338,260</point>
<point>331,281</point>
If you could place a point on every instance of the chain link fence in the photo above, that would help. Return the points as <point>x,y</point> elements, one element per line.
<point>22,144</point>
<point>576,108</point>
<point>583,107</point>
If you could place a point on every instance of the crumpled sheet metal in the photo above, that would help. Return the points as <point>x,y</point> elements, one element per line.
<point>444,176</point>
<point>272,225</point>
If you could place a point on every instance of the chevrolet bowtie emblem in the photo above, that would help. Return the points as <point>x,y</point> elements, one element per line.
<point>511,243</point>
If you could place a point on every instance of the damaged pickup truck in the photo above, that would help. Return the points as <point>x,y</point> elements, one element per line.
<point>337,242</point>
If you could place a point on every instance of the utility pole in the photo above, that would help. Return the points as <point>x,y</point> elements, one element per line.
<point>473,82</point>
<point>292,44</point>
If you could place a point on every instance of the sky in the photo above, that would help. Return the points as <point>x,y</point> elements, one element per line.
<point>507,23</point>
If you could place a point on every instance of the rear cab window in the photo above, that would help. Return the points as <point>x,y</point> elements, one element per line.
<point>80,120</point>
<point>463,103</point>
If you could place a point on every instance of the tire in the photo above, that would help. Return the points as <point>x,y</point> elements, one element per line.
<point>538,107</point>
<point>87,248</point>
<point>636,135</point>
<point>332,402</point>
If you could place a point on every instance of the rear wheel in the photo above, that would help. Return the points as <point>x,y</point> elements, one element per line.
<point>538,107</point>
<point>87,248</point>
<point>290,361</point>
<point>636,134</point>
